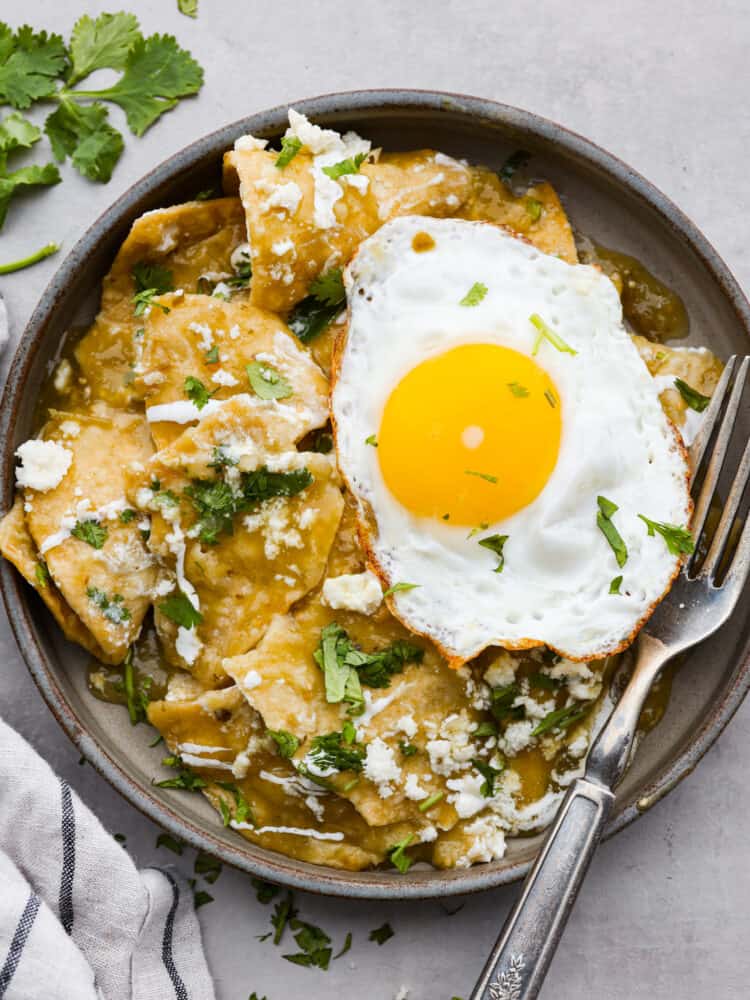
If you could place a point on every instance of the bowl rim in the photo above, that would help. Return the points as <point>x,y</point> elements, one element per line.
<point>269,865</point>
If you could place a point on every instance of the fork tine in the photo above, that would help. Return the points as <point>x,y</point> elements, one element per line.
<point>698,448</point>
<point>717,458</point>
<point>738,572</point>
<point>716,551</point>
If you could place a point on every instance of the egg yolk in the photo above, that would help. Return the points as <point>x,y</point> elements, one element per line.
<point>470,436</point>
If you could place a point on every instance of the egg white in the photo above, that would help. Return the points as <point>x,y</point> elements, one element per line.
<point>616,442</point>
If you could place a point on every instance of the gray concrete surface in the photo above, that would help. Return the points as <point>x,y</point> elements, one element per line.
<point>665,913</point>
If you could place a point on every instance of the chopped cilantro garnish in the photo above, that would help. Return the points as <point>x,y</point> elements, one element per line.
<point>486,728</point>
<point>120,838</point>
<point>216,503</point>
<point>544,681</point>
<point>201,897</point>
<point>614,587</point>
<point>679,540</point>
<point>399,588</point>
<point>496,544</point>
<point>185,780</point>
<point>283,912</point>
<point>211,356</point>
<point>314,313</point>
<point>431,801</point>
<point>550,397</point>
<point>345,666</point>
<point>606,526</point>
<point>42,574</point>
<point>220,458</point>
<point>398,856</point>
<point>474,295</point>
<point>286,743</point>
<point>112,608</point>
<point>490,774</point>
<point>345,947</point>
<point>150,280</point>
<point>266,382</point>
<point>381,934</point>
<point>264,891</point>
<point>516,161</point>
<point>128,515</point>
<point>91,532</point>
<point>290,146</point>
<point>533,208</point>
<point>188,7</point>
<point>560,719</point>
<point>407,749</point>
<point>25,177</point>
<point>179,609</point>
<point>545,332</point>
<point>243,812</point>
<point>196,391</point>
<point>347,166</point>
<point>372,440</point>
<point>323,442</point>
<point>137,691</point>
<point>481,475</point>
<point>208,866</point>
<point>33,258</point>
<point>502,706</point>
<point>518,390</point>
<point>338,751</point>
<point>16,132</point>
<point>314,944</point>
<point>171,843</point>
<point>694,399</point>
<point>83,133</point>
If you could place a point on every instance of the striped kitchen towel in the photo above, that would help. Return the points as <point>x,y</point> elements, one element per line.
<point>78,921</point>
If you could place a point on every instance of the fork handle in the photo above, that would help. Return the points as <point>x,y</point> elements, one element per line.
<point>520,959</point>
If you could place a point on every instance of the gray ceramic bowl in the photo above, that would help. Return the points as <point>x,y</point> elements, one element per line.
<point>608,201</point>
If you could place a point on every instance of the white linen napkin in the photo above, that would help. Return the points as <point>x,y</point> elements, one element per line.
<point>78,921</point>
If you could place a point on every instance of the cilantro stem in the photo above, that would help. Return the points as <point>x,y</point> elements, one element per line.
<point>34,258</point>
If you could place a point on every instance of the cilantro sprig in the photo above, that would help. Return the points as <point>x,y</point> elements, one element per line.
<point>315,312</point>
<point>606,525</point>
<point>694,399</point>
<point>35,66</point>
<point>678,539</point>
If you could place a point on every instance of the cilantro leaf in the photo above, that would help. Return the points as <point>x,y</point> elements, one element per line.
<point>431,801</point>
<point>407,749</point>
<point>33,258</point>
<point>150,280</point>
<point>30,63</point>
<point>91,532</point>
<point>502,706</point>
<point>188,7</point>
<point>208,866</point>
<point>694,399</point>
<point>211,356</point>
<point>216,503</point>
<point>290,146</point>
<point>84,134</point>
<point>328,287</point>
<point>495,543</point>
<point>103,43</point>
<point>371,440</point>
<point>614,587</point>
<point>679,540</point>
<point>264,891</point>
<point>185,779</point>
<point>398,856</point>
<point>41,574</point>
<point>338,751</point>
<point>347,166</point>
<point>545,332</point>
<point>489,773</point>
<point>266,382</point>
<point>518,390</point>
<point>481,475</point>
<point>606,526</point>
<point>157,74</point>
<point>381,934</point>
<point>474,295</point>
<point>16,132</point>
<point>345,947</point>
<point>243,811</point>
<point>179,609</point>
<point>201,897</point>
<point>533,208</point>
<point>345,666</point>
<point>32,176</point>
<point>286,743</point>
<point>283,912</point>
<point>171,843</point>
<point>196,391</point>
<point>314,944</point>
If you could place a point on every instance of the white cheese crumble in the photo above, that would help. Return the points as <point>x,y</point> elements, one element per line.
<point>44,464</point>
<point>251,680</point>
<point>487,841</point>
<point>353,592</point>
<point>502,670</point>
<point>517,737</point>
<point>63,376</point>
<point>413,790</point>
<point>407,725</point>
<point>222,377</point>
<point>380,766</point>
<point>70,429</point>
<point>282,247</point>
<point>188,645</point>
<point>285,197</point>
<point>248,143</point>
<point>583,683</point>
<point>466,796</point>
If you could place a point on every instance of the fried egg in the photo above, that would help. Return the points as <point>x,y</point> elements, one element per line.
<point>504,442</point>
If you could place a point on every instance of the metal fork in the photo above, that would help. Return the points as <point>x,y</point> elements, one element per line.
<point>701,600</point>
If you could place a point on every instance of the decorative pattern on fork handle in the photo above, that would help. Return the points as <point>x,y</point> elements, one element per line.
<point>509,982</point>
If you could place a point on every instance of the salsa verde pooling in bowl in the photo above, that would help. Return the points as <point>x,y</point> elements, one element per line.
<point>184,517</point>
